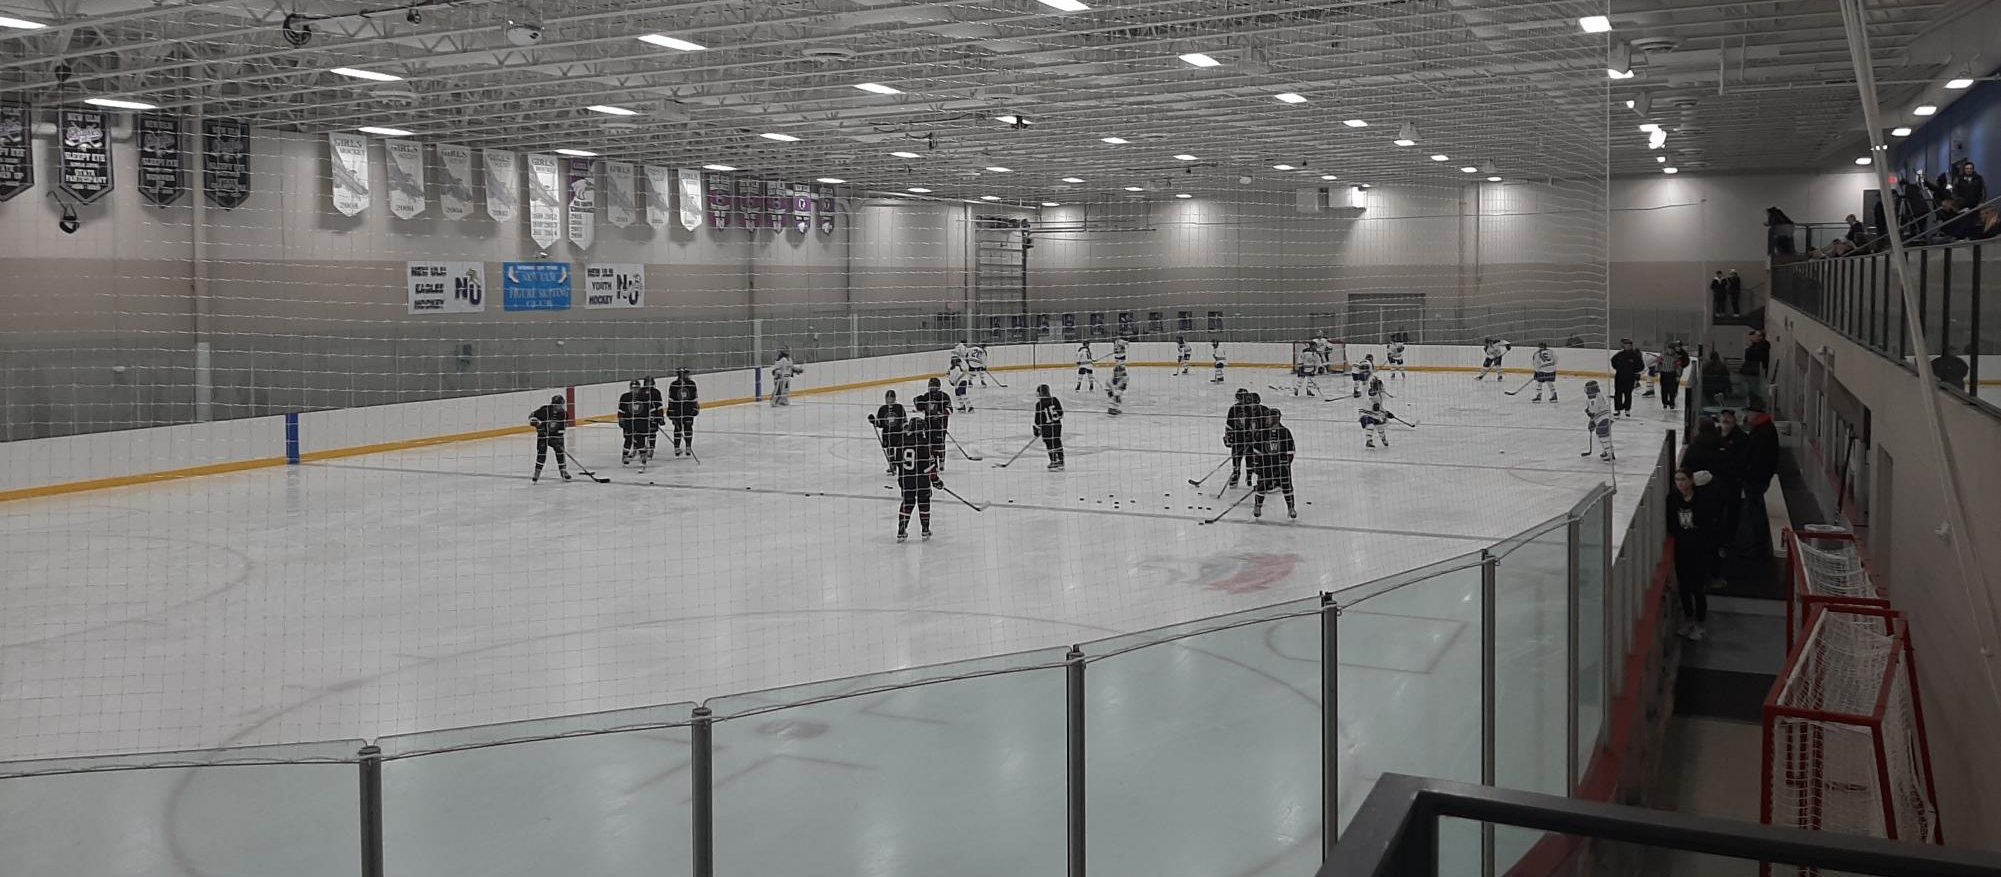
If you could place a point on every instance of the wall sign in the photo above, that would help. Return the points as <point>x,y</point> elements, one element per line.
<point>535,286</point>
<point>614,286</point>
<point>225,162</point>
<point>17,159</point>
<point>447,287</point>
<point>84,172</point>
<point>162,159</point>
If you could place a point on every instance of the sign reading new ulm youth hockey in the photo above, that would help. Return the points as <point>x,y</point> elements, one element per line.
<point>17,159</point>
<point>85,172</point>
<point>614,286</point>
<point>162,160</point>
<point>447,287</point>
<point>225,162</point>
<point>535,286</point>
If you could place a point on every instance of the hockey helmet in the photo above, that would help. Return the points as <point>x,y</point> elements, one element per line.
<point>889,395</point>
<point>1375,385</point>
<point>934,383</point>
<point>1242,393</point>
<point>556,399</point>
<point>648,381</point>
<point>633,385</point>
<point>1042,389</point>
<point>1590,388</point>
<point>1542,345</point>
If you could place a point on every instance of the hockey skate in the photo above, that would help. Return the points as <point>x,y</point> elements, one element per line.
<point>927,533</point>
<point>565,473</point>
<point>1258,507</point>
<point>902,535</point>
<point>535,477</point>
<point>625,458</point>
<point>1372,443</point>
<point>1606,456</point>
<point>1291,511</point>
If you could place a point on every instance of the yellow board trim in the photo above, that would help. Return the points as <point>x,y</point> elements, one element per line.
<point>502,432</point>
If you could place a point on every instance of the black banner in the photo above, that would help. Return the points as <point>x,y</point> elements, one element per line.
<point>162,159</point>
<point>84,147</point>
<point>225,162</point>
<point>17,158</point>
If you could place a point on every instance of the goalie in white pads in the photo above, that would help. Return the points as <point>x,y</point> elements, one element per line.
<point>1182,354</point>
<point>1086,367</point>
<point>1544,362</point>
<point>1115,390</point>
<point>1496,348</point>
<point>782,371</point>
<point>1598,419</point>
<point>1305,369</point>
<point>1216,353</point>
<point>1376,418</point>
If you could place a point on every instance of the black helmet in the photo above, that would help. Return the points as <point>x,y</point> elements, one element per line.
<point>556,399</point>
<point>634,385</point>
<point>889,395</point>
<point>1042,390</point>
<point>934,383</point>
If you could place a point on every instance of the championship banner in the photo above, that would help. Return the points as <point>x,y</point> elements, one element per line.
<point>802,208</point>
<point>17,158</point>
<point>777,206</point>
<point>84,172</point>
<point>162,159</point>
<point>722,201</point>
<point>660,194</point>
<point>614,286</point>
<point>405,162</point>
<point>582,189</point>
<point>225,162</point>
<point>823,208</point>
<point>455,190</point>
<point>535,286</point>
<point>619,195</point>
<point>503,184</point>
<point>545,207</point>
<point>349,154</point>
<point>691,199</point>
<point>749,203</point>
<point>447,287</point>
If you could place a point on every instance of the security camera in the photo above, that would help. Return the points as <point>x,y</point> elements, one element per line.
<point>414,16</point>
<point>524,33</point>
<point>298,30</point>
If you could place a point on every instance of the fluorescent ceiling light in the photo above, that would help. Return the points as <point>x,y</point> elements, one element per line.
<point>1670,170</point>
<point>989,197</point>
<point>1595,23</point>
<point>1065,5</point>
<point>920,190</point>
<point>1631,104</point>
<point>1656,139</point>
<point>1862,160</point>
<point>1051,204</point>
<point>1135,188</point>
<point>1329,177</point>
<point>1404,141</point>
<point>1183,195</point>
<point>610,110</point>
<point>1290,98</point>
<point>1115,141</point>
<point>1197,59</point>
<point>1900,132</point>
<point>877,88</point>
<point>1355,123</point>
<point>667,42</point>
<point>782,138</point>
<point>116,104</point>
<point>1469,169</point>
<point>1013,120</point>
<point>371,75</point>
<point>831,181</point>
<point>717,167</point>
<point>20,23</point>
<point>1072,180</point>
<point>1441,157</point>
<point>1662,159</point>
<point>902,154</point>
<point>1650,127</point>
<point>1185,157</point>
<point>1493,179</point>
<point>1000,170</point>
<point>386,132</point>
<point>1961,82</point>
<point>1611,73</point>
<point>1925,110</point>
<point>579,153</point>
<point>1281,167</point>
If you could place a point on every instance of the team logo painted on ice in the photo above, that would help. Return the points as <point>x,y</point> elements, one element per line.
<point>1242,573</point>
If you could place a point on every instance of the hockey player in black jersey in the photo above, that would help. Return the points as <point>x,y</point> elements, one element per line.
<point>1275,460</point>
<point>888,421</point>
<point>937,408</point>
<point>630,416</point>
<point>684,402</point>
<point>1237,433</point>
<point>653,415</point>
<point>917,471</point>
<point>1049,425</point>
<point>549,421</point>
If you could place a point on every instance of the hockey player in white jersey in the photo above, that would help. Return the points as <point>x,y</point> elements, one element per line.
<point>1544,362</point>
<point>782,371</point>
<point>1393,365</point>
<point>960,352</point>
<point>1115,389</point>
<point>976,362</point>
<point>1496,348</point>
<point>1333,356</point>
<point>1119,351</point>
<point>1306,370</point>
<point>1086,367</point>
<point>1376,418</point>
<point>1598,419</point>
<point>1363,372</point>
<point>1182,354</point>
<point>1653,373</point>
<point>1216,353</point>
<point>961,377</point>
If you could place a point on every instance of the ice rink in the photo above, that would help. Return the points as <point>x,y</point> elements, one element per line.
<point>436,588</point>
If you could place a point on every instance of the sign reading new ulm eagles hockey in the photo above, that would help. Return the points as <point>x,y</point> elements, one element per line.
<point>17,160</point>
<point>447,287</point>
<point>225,162</point>
<point>614,286</point>
<point>85,172</point>
<point>162,160</point>
<point>535,286</point>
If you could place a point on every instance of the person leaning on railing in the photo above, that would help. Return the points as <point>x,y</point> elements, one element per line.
<point>1949,369</point>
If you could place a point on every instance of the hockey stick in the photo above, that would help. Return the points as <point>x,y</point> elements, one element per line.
<point>1410,423</point>
<point>1017,454</point>
<point>1197,482</point>
<point>1524,386</point>
<point>997,380</point>
<point>974,506</point>
<point>962,448</point>
<point>1590,440</point>
<point>580,468</point>
<point>1232,508</point>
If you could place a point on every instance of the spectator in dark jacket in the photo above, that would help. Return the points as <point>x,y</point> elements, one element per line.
<point>1949,369</point>
<point>1715,377</point>
<point>1719,293</point>
<point>1757,363</point>
<point>1733,286</point>
<point>1707,453</point>
<point>1627,365</point>
<point>1964,184</point>
<point>1759,465</point>
<point>1856,232</point>
<point>1955,221</point>
<point>1688,521</point>
<point>1731,439</point>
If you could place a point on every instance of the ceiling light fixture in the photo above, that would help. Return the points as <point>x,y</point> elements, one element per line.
<point>577,153</point>
<point>902,154</point>
<point>1135,188</point>
<point>1290,98</point>
<point>1650,127</point>
<point>721,168</point>
<point>1656,139</point>
<point>667,42</point>
<point>1925,110</point>
<point>782,138</point>
<point>1493,179</point>
<point>1185,157</point>
<point>920,190</point>
<point>1631,104</point>
<point>386,132</point>
<point>989,197</point>
<point>1595,23</point>
<point>1012,120</point>
<point>1072,180</point>
<point>1065,5</point>
<point>1900,131</point>
<point>1000,170</point>
<point>610,110</point>
<point>831,181</point>
<point>1862,160</point>
<point>1441,157</point>
<point>1406,135</point>
<point>1329,177</point>
<point>1115,141</point>
<point>1670,170</point>
<point>1355,123</point>
<point>1618,74</point>
<point>1051,204</point>
<point>1197,59</point>
<point>1959,83</point>
<point>20,23</point>
<point>1661,159</point>
<point>1183,195</point>
<point>877,88</point>
<point>370,75</point>
<point>1469,169</point>
<point>116,104</point>
<point>1281,167</point>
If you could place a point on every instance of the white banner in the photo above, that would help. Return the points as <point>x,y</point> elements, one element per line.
<point>659,195</point>
<point>580,183</point>
<point>691,199</point>
<point>619,197</point>
<point>404,160</point>
<point>614,286</point>
<point>503,184</point>
<point>349,160</point>
<point>545,205</point>
<point>447,287</point>
<point>455,190</point>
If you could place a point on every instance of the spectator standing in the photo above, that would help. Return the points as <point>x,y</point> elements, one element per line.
<point>1732,441</point>
<point>1694,554</point>
<point>1627,365</point>
<point>1760,461</point>
<point>1856,233</point>
<point>1715,377</point>
<point>1733,285</point>
<point>1674,364</point>
<point>1964,184</point>
<point>1708,453</point>
<point>1778,232</point>
<point>1949,369</point>
<point>1757,363</point>
<point>1719,293</point>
